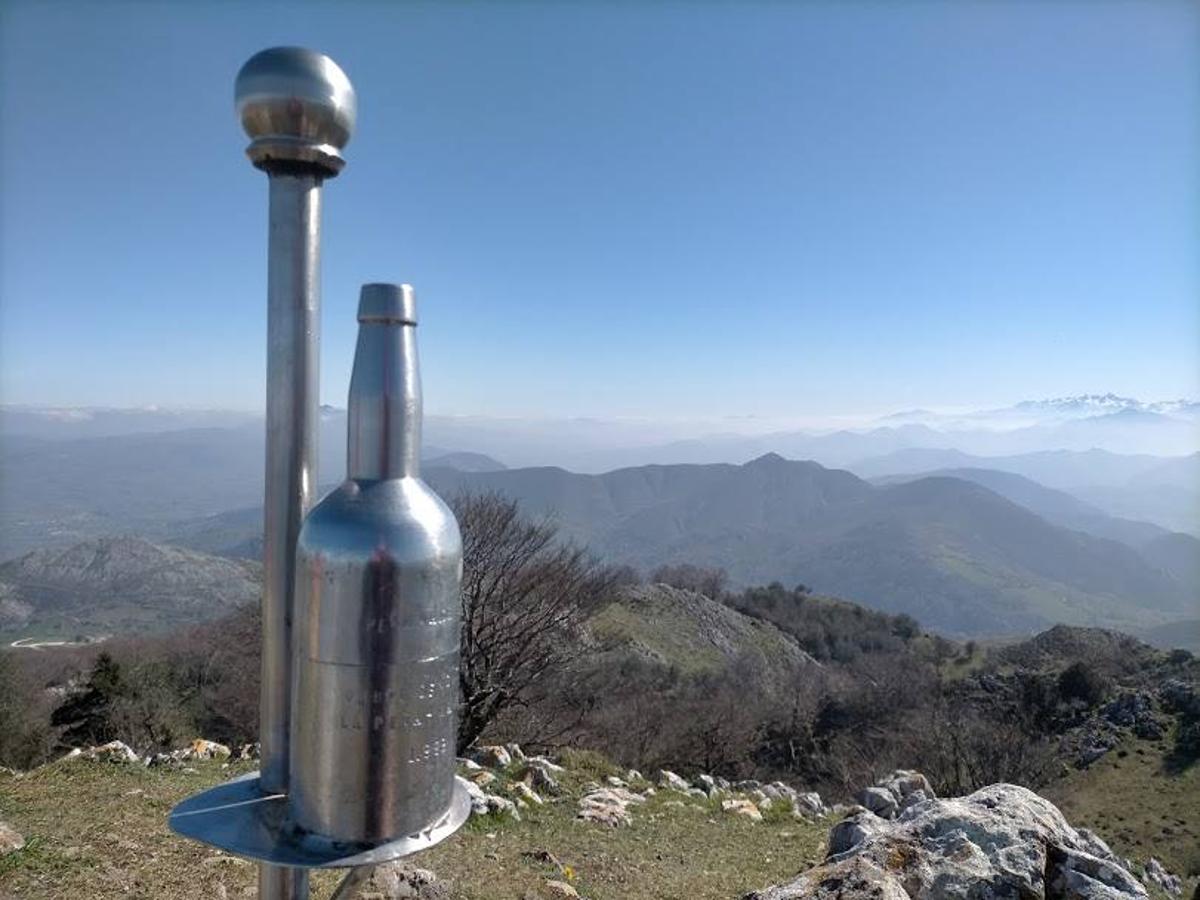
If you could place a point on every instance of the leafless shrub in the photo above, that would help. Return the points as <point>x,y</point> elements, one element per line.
<point>524,595</point>
<point>710,582</point>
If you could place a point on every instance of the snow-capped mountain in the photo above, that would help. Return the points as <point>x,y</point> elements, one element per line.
<point>1086,405</point>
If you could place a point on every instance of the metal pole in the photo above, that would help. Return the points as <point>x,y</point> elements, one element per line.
<point>299,109</point>
<point>293,344</point>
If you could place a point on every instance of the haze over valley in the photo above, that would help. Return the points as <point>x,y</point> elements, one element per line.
<point>1083,510</point>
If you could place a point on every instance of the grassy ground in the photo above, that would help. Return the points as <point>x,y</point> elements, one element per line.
<point>100,831</point>
<point>1134,799</point>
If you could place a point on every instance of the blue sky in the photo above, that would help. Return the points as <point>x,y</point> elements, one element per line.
<point>622,209</point>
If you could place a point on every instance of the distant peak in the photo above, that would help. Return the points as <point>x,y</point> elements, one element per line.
<point>767,459</point>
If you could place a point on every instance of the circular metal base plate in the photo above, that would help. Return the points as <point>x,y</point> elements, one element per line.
<point>239,818</point>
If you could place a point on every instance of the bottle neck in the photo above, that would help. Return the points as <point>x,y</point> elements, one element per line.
<point>384,439</point>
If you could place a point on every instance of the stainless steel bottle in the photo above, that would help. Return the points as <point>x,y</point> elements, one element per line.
<point>376,636</point>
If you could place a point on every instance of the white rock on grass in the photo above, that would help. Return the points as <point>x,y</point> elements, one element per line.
<point>608,806</point>
<point>502,806</point>
<point>202,749</point>
<point>522,791</point>
<point>113,751</point>
<point>546,763</point>
<point>11,840</point>
<point>495,757</point>
<point>542,775</point>
<point>809,803</point>
<point>737,806</point>
<point>482,777</point>
<point>1157,873</point>
<point>1001,841</point>
<point>479,805</point>
<point>670,781</point>
<point>399,879</point>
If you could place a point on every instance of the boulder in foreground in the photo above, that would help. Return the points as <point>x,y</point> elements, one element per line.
<point>1003,841</point>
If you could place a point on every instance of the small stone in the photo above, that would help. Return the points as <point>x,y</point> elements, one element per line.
<point>670,781</point>
<point>402,880</point>
<point>1157,873</point>
<point>502,806</point>
<point>739,807</point>
<point>608,806</point>
<point>113,751</point>
<point>11,840</point>
<point>880,801</point>
<point>202,749</point>
<point>545,857</point>
<point>495,757</point>
<point>522,791</point>
<point>560,889</point>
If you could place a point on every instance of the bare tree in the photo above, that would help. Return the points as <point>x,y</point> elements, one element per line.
<point>524,595</point>
<point>709,582</point>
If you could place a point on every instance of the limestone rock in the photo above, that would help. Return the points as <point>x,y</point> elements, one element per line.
<point>402,880</point>
<point>1157,873</point>
<point>495,757</point>
<point>809,803</point>
<point>113,751</point>
<point>482,778</point>
<point>1003,841</point>
<point>608,806</point>
<point>739,807</point>
<point>546,763</point>
<point>479,804</point>
<point>202,749</point>
<point>853,830</point>
<point>11,840</point>
<point>670,781</point>
<point>502,806</point>
<point>522,791</point>
<point>903,782</point>
<point>857,878</point>
<point>559,889</point>
<point>541,775</point>
<point>880,801</point>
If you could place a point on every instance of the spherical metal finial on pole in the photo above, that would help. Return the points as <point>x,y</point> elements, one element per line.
<point>298,107</point>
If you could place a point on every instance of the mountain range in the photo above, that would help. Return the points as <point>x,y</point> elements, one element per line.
<point>119,586</point>
<point>955,554</point>
<point>899,515</point>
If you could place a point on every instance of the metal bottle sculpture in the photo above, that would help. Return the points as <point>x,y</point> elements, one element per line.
<point>360,655</point>
<point>378,570</point>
